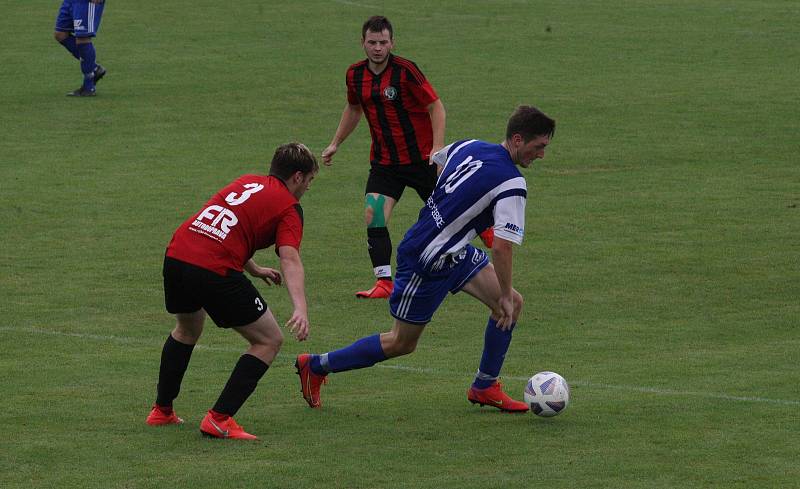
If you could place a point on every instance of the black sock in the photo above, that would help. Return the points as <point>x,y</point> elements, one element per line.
<point>380,248</point>
<point>174,360</point>
<point>242,382</point>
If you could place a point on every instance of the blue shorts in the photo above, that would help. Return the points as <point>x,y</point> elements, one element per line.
<point>80,17</point>
<point>419,292</point>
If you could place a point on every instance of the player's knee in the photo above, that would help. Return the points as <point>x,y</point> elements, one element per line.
<point>374,212</point>
<point>408,347</point>
<point>187,336</point>
<point>266,347</point>
<point>399,347</point>
<point>375,218</point>
<point>60,37</point>
<point>274,341</point>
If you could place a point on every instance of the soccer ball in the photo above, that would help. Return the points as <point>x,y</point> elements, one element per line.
<point>547,394</point>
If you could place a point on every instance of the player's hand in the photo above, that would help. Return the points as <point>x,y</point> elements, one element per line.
<point>298,325</point>
<point>506,318</point>
<point>430,156</point>
<point>327,154</point>
<point>268,275</point>
<point>271,276</point>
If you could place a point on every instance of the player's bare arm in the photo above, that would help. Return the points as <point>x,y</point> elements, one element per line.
<point>438,120</point>
<point>268,275</point>
<point>292,268</point>
<point>502,259</point>
<point>347,124</point>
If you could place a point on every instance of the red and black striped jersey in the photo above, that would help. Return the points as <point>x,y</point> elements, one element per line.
<point>395,103</point>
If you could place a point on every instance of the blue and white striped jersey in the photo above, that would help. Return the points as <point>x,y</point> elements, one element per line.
<point>479,187</point>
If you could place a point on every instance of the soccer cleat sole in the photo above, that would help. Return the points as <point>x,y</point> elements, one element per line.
<point>171,423</point>
<point>509,411</point>
<point>82,93</point>
<point>212,437</point>
<point>215,437</point>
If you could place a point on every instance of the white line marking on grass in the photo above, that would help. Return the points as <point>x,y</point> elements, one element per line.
<point>630,388</point>
<point>393,9</point>
<point>427,371</point>
<point>110,338</point>
<point>707,395</point>
<point>356,4</point>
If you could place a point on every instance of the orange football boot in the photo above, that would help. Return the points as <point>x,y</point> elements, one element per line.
<point>158,416</point>
<point>495,397</point>
<point>381,290</point>
<point>226,427</point>
<point>310,382</point>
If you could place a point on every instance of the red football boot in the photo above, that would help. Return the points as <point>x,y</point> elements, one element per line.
<point>161,416</point>
<point>495,397</point>
<point>381,290</point>
<point>218,425</point>
<point>310,382</point>
<point>487,237</point>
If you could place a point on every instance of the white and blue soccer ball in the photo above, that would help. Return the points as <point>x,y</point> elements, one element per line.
<point>547,394</point>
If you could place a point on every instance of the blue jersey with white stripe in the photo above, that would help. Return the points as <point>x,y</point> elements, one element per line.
<point>479,187</point>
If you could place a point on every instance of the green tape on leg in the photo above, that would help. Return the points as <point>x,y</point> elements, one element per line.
<point>378,216</point>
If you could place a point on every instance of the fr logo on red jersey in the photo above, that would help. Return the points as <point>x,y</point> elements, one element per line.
<point>216,221</point>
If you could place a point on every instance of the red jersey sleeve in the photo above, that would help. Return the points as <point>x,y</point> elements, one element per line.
<point>419,86</point>
<point>290,228</point>
<point>353,97</point>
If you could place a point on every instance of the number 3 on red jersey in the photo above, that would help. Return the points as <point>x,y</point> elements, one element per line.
<point>252,188</point>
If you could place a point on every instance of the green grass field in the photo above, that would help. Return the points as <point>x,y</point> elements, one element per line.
<point>661,268</point>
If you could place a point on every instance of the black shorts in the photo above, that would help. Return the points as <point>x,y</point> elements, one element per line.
<point>230,301</point>
<point>392,180</point>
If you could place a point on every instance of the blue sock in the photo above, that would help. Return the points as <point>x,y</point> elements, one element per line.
<point>316,365</point>
<point>71,46</point>
<point>495,345</point>
<point>365,352</point>
<point>87,64</point>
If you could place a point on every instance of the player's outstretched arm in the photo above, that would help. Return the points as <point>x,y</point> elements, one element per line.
<point>293,272</point>
<point>502,259</point>
<point>268,275</point>
<point>350,117</point>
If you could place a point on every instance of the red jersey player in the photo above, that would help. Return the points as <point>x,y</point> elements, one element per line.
<point>203,274</point>
<point>406,121</point>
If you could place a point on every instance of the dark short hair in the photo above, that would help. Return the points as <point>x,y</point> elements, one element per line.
<point>530,122</point>
<point>377,23</point>
<point>290,158</point>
